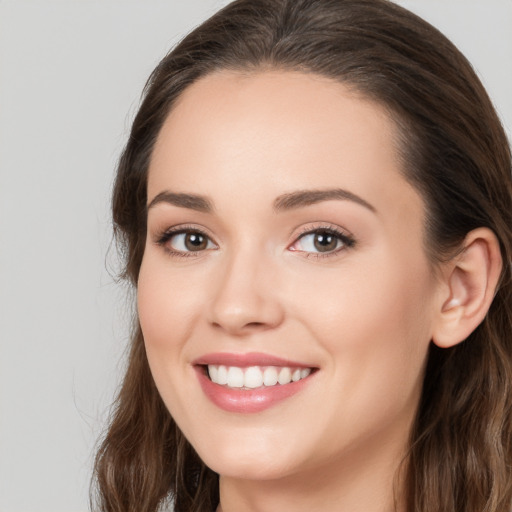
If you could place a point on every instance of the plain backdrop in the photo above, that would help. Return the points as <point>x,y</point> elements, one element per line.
<point>71,73</point>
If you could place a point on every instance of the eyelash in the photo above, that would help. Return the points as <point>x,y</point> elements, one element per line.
<point>164,237</point>
<point>346,240</point>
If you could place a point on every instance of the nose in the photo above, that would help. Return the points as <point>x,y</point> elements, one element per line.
<point>246,297</point>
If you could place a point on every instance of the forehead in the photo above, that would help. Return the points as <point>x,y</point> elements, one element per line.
<point>267,133</point>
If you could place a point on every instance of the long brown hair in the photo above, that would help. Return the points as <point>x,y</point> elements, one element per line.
<point>454,151</point>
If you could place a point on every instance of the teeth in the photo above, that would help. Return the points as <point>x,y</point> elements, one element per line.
<point>214,373</point>
<point>285,376</point>
<point>222,375</point>
<point>305,372</point>
<point>270,376</point>
<point>235,377</point>
<point>255,376</point>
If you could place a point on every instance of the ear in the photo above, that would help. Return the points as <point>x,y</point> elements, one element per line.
<point>470,280</point>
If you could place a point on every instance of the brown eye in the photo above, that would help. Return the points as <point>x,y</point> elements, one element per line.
<point>322,241</point>
<point>195,241</point>
<point>187,241</point>
<point>325,241</point>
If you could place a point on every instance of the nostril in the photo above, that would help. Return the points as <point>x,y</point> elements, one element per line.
<point>242,328</point>
<point>255,324</point>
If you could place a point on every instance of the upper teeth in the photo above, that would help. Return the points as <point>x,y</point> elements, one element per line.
<point>255,376</point>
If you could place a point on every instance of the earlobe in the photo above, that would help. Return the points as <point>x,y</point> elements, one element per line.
<point>471,278</point>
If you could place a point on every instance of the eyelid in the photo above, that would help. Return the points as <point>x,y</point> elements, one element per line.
<point>164,236</point>
<point>347,239</point>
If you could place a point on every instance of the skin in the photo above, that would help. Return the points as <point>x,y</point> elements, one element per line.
<point>364,315</point>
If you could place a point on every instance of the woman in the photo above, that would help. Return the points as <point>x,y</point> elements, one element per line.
<point>315,208</point>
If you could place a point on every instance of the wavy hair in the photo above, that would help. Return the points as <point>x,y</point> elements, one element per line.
<point>453,150</point>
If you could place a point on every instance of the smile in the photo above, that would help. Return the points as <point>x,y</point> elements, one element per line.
<point>255,376</point>
<point>251,382</point>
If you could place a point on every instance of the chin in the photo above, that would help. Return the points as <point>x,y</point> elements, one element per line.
<point>250,459</point>
<point>250,469</point>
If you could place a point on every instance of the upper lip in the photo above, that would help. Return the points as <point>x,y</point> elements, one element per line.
<point>243,360</point>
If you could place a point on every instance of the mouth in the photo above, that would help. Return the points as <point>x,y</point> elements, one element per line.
<point>254,377</point>
<point>248,383</point>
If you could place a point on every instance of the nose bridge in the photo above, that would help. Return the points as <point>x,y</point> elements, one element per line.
<point>245,296</point>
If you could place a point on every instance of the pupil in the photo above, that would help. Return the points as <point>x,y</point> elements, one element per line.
<point>325,242</point>
<point>195,242</point>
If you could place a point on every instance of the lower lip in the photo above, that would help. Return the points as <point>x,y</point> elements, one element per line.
<point>248,400</point>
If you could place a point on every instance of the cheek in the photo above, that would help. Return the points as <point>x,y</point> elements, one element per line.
<point>374,322</point>
<point>153,296</point>
<point>166,304</point>
<point>365,297</point>
<point>165,312</point>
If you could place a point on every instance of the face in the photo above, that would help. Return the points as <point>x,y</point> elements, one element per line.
<point>285,296</point>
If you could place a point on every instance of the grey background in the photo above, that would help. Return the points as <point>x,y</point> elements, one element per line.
<point>71,73</point>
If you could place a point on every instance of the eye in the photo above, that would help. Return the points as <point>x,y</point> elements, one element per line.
<point>322,241</point>
<point>184,241</point>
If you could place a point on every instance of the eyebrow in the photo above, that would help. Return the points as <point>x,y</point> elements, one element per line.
<point>302,198</point>
<point>284,202</point>
<point>190,201</point>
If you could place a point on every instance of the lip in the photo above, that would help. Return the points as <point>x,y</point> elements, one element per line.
<point>246,401</point>
<point>247,359</point>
